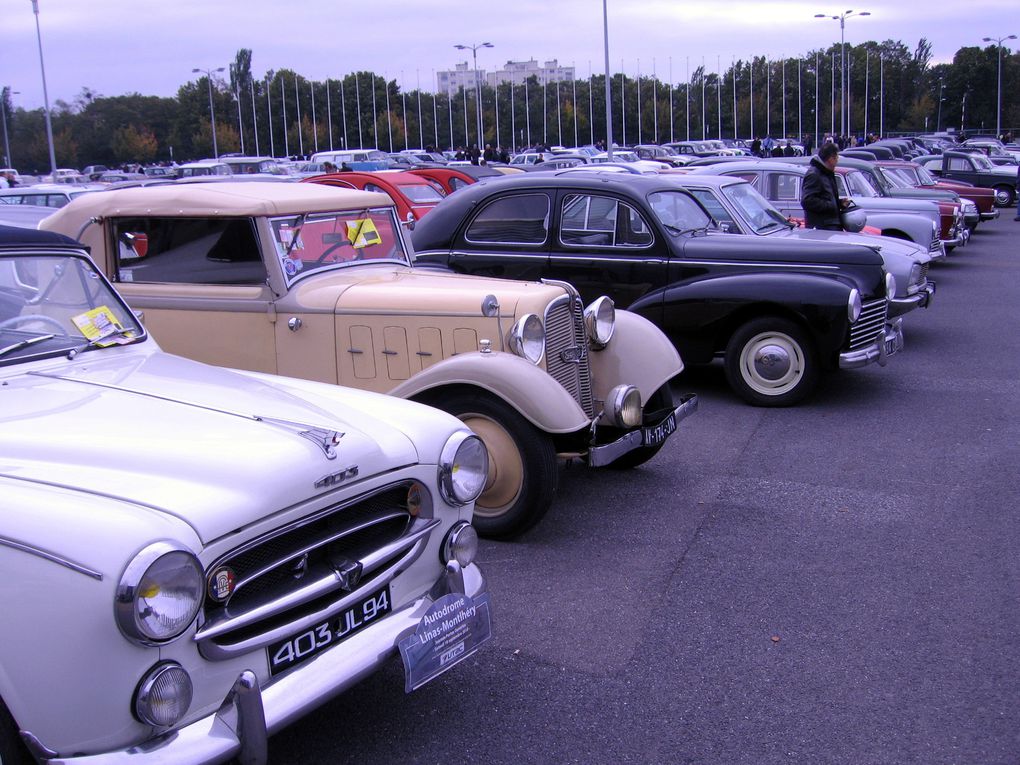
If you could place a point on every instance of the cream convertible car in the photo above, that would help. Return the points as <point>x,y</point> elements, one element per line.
<point>194,557</point>
<point>317,282</point>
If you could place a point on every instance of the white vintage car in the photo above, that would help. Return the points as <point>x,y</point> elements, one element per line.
<point>193,557</point>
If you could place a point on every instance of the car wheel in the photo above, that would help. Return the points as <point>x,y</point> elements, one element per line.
<point>522,464</point>
<point>771,362</point>
<point>12,751</point>
<point>1003,196</point>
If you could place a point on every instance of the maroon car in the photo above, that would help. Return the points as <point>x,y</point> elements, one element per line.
<point>917,175</point>
<point>414,196</point>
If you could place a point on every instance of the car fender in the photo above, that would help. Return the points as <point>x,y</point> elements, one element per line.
<point>917,227</point>
<point>641,355</point>
<point>527,388</point>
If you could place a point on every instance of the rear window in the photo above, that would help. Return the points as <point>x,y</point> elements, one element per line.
<point>519,219</point>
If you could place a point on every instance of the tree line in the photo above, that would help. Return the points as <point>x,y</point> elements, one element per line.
<point>890,89</point>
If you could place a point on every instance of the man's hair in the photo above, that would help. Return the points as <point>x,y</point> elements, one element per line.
<point>828,151</point>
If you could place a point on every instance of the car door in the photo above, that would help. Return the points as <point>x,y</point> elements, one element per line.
<point>507,238</point>
<point>605,245</point>
<point>962,169</point>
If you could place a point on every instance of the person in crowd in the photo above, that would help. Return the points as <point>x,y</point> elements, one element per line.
<point>473,154</point>
<point>489,155</point>
<point>328,167</point>
<point>777,149</point>
<point>756,146</point>
<point>788,150</point>
<point>818,192</point>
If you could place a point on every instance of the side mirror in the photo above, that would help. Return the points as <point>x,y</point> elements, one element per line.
<point>409,221</point>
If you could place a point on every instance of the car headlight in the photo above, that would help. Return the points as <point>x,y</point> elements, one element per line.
<point>463,468</point>
<point>916,276</point>
<point>159,594</point>
<point>164,695</point>
<point>854,306</point>
<point>600,321</point>
<point>527,338</point>
<point>461,544</point>
<point>623,406</point>
<point>890,286</point>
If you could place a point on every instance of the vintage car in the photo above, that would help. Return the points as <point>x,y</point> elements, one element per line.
<point>779,182</point>
<point>317,282</point>
<point>739,209</point>
<point>413,195</point>
<point>203,168</point>
<point>976,169</point>
<point>354,159</point>
<point>194,557</point>
<point>449,179</point>
<point>916,175</point>
<point>777,311</point>
<point>47,194</point>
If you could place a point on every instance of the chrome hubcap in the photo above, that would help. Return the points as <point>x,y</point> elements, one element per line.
<point>771,362</point>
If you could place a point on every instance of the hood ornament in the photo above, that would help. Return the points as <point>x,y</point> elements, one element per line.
<point>325,438</point>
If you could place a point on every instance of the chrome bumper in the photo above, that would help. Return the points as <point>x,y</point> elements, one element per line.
<point>241,726</point>
<point>920,299</point>
<point>886,344</point>
<point>959,239</point>
<point>991,215</point>
<point>599,456</point>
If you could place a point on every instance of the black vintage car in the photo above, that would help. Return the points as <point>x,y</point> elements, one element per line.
<point>778,312</point>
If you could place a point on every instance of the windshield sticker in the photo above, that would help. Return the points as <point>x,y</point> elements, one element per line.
<point>362,233</point>
<point>101,327</point>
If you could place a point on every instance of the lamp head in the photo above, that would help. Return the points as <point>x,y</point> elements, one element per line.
<point>864,13</point>
<point>490,45</point>
<point>460,47</point>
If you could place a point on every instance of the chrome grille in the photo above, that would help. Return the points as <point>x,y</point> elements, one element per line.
<point>566,349</point>
<point>869,324</point>
<point>294,575</point>
<point>924,272</point>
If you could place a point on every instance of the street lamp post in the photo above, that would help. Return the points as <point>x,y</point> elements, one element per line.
<point>998,103</point>
<point>841,18</point>
<point>938,121</point>
<point>8,162</point>
<point>212,112</point>
<point>478,85</point>
<point>46,98</point>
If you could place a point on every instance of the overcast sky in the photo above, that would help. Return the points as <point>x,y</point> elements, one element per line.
<point>115,47</point>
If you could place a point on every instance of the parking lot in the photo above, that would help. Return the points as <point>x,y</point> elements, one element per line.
<point>836,582</point>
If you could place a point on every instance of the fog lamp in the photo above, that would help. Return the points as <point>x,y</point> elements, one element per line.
<point>461,544</point>
<point>164,695</point>
<point>623,406</point>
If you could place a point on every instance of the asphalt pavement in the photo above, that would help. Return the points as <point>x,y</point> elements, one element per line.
<point>837,582</point>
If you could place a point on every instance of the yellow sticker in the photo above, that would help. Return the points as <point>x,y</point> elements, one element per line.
<point>100,326</point>
<point>362,233</point>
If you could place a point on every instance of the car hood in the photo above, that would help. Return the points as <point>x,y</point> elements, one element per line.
<point>927,207</point>
<point>886,244</point>
<point>215,448</point>
<point>433,291</point>
<point>751,248</point>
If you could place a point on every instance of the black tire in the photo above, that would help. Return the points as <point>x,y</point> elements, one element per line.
<point>1004,195</point>
<point>771,362</point>
<point>12,751</point>
<point>522,463</point>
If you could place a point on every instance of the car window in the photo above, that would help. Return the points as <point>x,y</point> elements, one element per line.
<point>592,220</point>
<point>187,251</point>
<point>518,219</point>
<point>713,205</point>
<point>958,163</point>
<point>678,210</point>
<point>458,183</point>
<point>753,178</point>
<point>785,186</point>
<point>756,210</point>
<point>420,193</point>
<point>859,185</point>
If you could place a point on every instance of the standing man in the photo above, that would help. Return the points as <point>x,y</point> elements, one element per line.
<point>818,193</point>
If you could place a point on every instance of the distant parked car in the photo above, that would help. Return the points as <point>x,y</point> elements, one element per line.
<point>195,557</point>
<point>46,194</point>
<point>413,195</point>
<point>203,168</point>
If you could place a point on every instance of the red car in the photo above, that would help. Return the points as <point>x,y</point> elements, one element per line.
<point>449,179</point>
<point>917,175</point>
<point>413,195</point>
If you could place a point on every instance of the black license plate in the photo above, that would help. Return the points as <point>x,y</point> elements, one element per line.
<point>655,435</point>
<point>303,645</point>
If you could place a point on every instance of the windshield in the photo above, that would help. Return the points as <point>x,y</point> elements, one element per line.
<point>314,241</point>
<point>859,185</point>
<point>981,162</point>
<point>53,304</point>
<point>757,211</point>
<point>677,211</point>
<point>421,193</point>
<point>906,176</point>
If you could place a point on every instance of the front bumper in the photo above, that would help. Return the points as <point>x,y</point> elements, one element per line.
<point>886,344</point>
<point>649,435</point>
<point>991,214</point>
<point>937,251</point>
<point>241,727</point>
<point>920,299</point>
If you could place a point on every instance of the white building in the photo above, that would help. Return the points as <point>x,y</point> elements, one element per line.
<point>516,72</point>
<point>463,76</point>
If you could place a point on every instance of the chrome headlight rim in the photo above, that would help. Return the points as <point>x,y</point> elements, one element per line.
<point>129,591</point>
<point>463,450</point>
<point>854,305</point>
<point>600,321</point>
<point>527,338</point>
<point>460,544</point>
<point>623,407</point>
<point>890,286</point>
<point>148,695</point>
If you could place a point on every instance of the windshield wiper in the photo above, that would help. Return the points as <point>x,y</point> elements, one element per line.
<point>98,342</point>
<point>25,343</point>
<point>296,233</point>
<point>685,231</point>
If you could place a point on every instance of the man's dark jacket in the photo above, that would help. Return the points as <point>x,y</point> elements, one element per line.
<point>819,197</point>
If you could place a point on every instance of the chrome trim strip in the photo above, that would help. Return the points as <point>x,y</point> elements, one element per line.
<point>51,557</point>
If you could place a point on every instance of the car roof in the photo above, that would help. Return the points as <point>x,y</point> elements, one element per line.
<point>222,199</point>
<point>13,236</point>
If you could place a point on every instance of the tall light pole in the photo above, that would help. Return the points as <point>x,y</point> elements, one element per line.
<point>212,113</point>
<point>998,104</point>
<point>478,85</point>
<point>46,98</point>
<point>841,18</point>
<point>609,102</point>
<point>938,121</point>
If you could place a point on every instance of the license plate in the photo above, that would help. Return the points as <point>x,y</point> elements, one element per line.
<point>302,646</point>
<point>655,435</point>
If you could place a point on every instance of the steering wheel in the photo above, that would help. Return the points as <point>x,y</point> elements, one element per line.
<point>49,320</point>
<point>329,250</point>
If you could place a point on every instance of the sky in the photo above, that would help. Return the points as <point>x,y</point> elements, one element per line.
<point>116,47</point>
